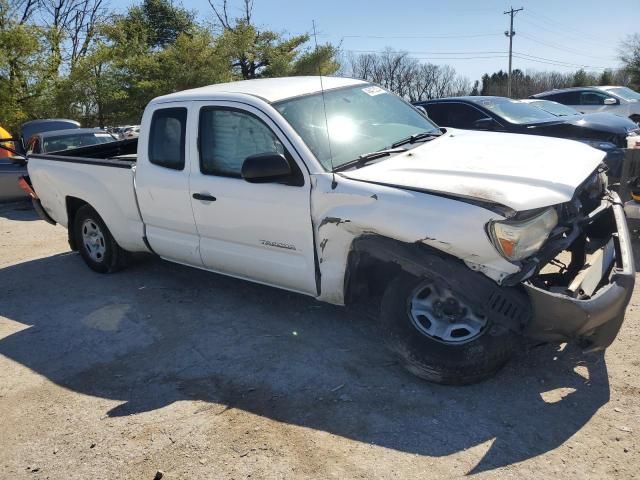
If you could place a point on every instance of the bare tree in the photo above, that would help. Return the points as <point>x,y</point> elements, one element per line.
<point>71,26</point>
<point>82,28</point>
<point>406,76</point>
<point>221,11</point>
<point>17,11</point>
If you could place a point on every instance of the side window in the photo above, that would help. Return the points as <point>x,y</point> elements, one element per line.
<point>466,115</point>
<point>455,115</point>
<point>166,138</point>
<point>436,112</point>
<point>566,98</point>
<point>228,137</point>
<point>592,98</point>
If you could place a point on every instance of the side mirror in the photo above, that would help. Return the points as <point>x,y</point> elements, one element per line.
<point>422,110</point>
<point>611,101</point>
<point>265,168</point>
<point>486,123</point>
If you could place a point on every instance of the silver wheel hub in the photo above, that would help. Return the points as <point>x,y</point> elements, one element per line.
<point>93,240</point>
<point>437,313</point>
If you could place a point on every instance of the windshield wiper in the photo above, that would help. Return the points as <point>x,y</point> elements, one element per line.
<point>416,138</point>
<point>366,157</point>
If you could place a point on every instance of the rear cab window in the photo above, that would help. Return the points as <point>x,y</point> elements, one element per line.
<point>167,137</point>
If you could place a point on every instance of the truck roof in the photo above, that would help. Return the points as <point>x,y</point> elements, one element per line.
<point>269,89</point>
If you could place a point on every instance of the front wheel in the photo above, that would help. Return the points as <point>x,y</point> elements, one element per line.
<point>97,246</point>
<point>438,335</point>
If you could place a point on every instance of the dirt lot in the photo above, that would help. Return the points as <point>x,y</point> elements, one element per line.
<point>162,367</point>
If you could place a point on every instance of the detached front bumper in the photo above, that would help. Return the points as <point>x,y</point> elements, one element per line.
<point>594,321</point>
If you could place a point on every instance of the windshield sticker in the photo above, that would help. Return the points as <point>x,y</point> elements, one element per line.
<point>372,91</point>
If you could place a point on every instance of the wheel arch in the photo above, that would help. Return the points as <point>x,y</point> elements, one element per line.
<point>73,204</point>
<point>374,260</point>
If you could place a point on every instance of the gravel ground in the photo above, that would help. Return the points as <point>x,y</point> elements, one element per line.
<point>162,367</point>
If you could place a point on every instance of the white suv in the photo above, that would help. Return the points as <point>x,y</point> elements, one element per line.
<point>612,99</point>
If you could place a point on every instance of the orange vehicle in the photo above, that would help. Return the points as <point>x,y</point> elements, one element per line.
<point>4,135</point>
<point>10,171</point>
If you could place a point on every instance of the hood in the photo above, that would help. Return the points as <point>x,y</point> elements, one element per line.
<point>521,172</point>
<point>605,122</point>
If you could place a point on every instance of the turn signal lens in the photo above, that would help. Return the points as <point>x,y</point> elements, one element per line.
<point>520,239</point>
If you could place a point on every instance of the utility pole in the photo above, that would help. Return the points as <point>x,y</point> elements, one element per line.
<point>510,34</point>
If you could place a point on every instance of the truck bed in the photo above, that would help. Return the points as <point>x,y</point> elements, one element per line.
<point>101,176</point>
<point>125,150</point>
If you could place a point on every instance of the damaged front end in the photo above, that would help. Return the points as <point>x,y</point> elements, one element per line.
<point>581,280</point>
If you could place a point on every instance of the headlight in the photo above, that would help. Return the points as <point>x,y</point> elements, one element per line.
<point>519,239</point>
<point>600,145</point>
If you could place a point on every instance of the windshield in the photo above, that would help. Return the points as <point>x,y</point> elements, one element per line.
<point>554,108</point>
<point>626,93</point>
<point>515,112</point>
<point>360,120</point>
<point>65,142</point>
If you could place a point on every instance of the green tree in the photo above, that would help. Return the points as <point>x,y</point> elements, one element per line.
<point>253,53</point>
<point>322,60</point>
<point>475,91</point>
<point>24,73</point>
<point>159,21</point>
<point>191,62</point>
<point>580,78</point>
<point>93,91</point>
<point>154,49</point>
<point>606,78</point>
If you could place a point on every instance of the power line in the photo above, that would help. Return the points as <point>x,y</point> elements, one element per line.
<point>561,61</point>
<point>479,55</point>
<point>560,64</point>
<point>580,34</point>
<point>413,55</point>
<point>475,35</point>
<point>512,13</point>
<point>559,34</point>
<point>558,47</point>
<point>432,53</point>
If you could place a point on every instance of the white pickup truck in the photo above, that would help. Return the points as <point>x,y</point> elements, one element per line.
<point>464,241</point>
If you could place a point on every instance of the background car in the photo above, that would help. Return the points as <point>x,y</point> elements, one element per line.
<point>618,127</point>
<point>505,115</point>
<point>33,127</point>
<point>119,131</point>
<point>611,99</point>
<point>58,140</point>
<point>131,132</point>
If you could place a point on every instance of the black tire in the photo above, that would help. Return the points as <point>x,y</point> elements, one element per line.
<point>111,257</point>
<point>434,360</point>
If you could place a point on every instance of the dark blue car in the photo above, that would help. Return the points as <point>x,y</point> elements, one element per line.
<point>606,132</point>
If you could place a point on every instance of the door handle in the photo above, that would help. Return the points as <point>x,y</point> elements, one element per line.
<point>204,196</point>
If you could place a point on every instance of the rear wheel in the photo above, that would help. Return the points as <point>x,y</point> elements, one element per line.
<point>439,335</point>
<point>97,246</point>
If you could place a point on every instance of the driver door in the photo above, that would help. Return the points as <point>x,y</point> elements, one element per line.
<point>592,102</point>
<point>257,231</point>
